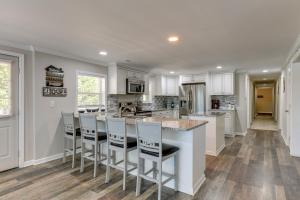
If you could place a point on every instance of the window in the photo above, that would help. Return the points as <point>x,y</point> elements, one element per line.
<point>5,88</point>
<point>90,91</point>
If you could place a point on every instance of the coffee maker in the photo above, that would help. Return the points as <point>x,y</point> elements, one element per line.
<point>215,104</point>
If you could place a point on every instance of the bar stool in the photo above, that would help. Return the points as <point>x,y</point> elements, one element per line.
<point>70,133</point>
<point>91,136</point>
<point>150,147</point>
<point>117,140</point>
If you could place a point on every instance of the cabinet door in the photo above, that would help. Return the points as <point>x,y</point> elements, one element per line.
<point>186,79</point>
<point>163,85</point>
<point>121,76</point>
<point>228,125</point>
<point>172,86</point>
<point>216,83</point>
<point>228,83</point>
<point>199,78</point>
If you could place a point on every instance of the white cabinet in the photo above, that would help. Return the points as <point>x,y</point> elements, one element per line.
<point>222,83</point>
<point>228,83</point>
<point>186,78</point>
<point>216,83</point>
<point>134,74</point>
<point>229,123</point>
<point>193,78</point>
<point>117,78</point>
<point>162,85</point>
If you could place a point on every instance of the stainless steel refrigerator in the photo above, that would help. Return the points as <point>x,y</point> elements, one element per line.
<point>192,98</point>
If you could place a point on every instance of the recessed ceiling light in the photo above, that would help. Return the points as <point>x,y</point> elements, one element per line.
<point>171,72</point>
<point>265,71</point>
<point>103,53</point>
<point>219,67</point>
<point>173,39</point>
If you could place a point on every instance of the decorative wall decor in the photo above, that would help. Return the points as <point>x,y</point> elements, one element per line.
<point>54,77</point>
<point>54,82</point>
<point>54,92</point>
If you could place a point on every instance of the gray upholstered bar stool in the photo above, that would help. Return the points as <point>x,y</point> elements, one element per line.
<point>91,136</point>
<point>150,147</point>
<point>71,133</point>
<point>117,140</point>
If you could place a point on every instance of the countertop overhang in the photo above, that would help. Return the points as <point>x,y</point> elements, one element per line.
<point>169,123</point>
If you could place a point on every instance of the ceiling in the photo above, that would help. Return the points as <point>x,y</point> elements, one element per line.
<point>243,35</point>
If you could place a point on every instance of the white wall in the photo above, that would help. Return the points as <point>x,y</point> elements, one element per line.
<point>295,111</point>
<point>241,93</point>
<point>49,135</point>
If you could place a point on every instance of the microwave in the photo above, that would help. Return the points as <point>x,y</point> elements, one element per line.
<point>135,86</point>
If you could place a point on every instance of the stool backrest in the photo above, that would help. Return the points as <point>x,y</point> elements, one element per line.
<point>149,136</point>
<point>88,125</point>
<point>68,122</point>
<point>116,130</point>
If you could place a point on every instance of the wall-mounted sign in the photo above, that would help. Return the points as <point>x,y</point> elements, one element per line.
<point>54,82</point>
<point>54,92</point>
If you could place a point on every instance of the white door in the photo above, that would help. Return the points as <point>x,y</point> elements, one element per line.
<point>8,112</point>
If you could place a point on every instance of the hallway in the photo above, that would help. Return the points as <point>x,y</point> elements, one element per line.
<point>264,122</point>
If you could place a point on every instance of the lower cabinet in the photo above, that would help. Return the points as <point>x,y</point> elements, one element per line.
<point>229,123</point>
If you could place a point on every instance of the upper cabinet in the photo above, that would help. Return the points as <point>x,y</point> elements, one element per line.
<point>117,78</point>
<point>193,78</point>
<point>222,83</point>
<point>162,85</point>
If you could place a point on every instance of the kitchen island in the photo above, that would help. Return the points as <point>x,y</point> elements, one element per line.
<point>189,136</point>
<point>215,130</point>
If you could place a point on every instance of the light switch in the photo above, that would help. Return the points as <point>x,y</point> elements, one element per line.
<point>52,104</point>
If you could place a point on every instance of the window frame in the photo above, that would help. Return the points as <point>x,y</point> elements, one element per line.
<point>92,74</point>
<point>11,112</point>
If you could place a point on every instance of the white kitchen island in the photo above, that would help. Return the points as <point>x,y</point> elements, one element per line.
<point>189,136</point>
<point>215,130</point>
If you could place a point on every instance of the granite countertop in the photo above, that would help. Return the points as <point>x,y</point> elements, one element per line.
<point>222,109</point>
<point>169,123</point>
<point>208,114</point>
<point>160,109</point>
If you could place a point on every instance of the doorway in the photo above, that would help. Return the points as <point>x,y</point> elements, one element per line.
<point>264,106</point>
<point>9,112</point>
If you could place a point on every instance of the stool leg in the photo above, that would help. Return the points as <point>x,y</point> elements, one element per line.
<point>138,178</point>
<point>175,172</point>
<point>64,156</point>
<point>74,152</point>
<point>107,165</point>
<point>159,179</point>
<point>95,159</point>
<point>125,169</point>
<point>82,156</point>
<point>154,166</point>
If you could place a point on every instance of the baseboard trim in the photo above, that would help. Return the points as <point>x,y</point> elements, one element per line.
<point>220,149</point>
<point>28,163</point>
<point>48,159</point>
<point>197,186</point>
<point>44,160</point>
<point>241,133</point>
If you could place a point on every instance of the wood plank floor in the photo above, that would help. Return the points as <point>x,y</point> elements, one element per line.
<point>257,166</point>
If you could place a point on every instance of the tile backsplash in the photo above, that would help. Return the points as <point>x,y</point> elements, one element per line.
<point>225,100</point>
<point>158,102</point>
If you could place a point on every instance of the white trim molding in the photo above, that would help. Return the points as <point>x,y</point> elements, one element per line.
<point>21,114</point>
<point>241,133</point>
